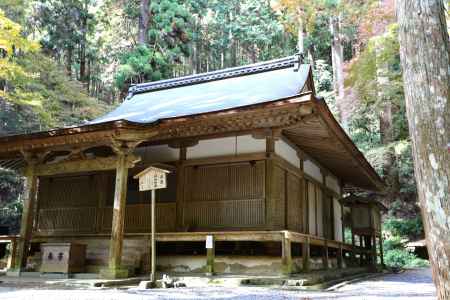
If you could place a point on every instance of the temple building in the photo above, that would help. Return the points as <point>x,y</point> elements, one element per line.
<point>257,163</point>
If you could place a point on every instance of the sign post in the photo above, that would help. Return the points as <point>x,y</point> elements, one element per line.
<point>152,179</point>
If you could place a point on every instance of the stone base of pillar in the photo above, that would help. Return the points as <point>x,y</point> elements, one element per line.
<point>114,273</point>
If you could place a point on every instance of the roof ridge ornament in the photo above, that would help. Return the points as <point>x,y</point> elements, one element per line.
<point>298,60</point>
<point>131,90</point>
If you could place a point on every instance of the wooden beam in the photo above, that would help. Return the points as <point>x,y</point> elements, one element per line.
<point>183,143</point>
<point>183,153</point>
<point>120,194</point>
<point>381,250</point>
<point>342,221</point>
<point>26,226</point>
<point>286,255</point>
<point>340,257</point>
<point>253,236</point>
<point>304,155</point>
<point>225,159</point>
<point>115,268</point>
<point>287,166</point>
<point>374,251</point>
<point>180,190</point>
<point>306,255</point>
<point>325,256</point>
<point>361,255</point>
<point>85,165</point>
<point>306,196</point>
<point>271,116</point>
<point>269,183</point>
<point>210,256</point>
<point>353,236</point>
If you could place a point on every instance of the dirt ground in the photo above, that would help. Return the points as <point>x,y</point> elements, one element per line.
<point>412,284</point>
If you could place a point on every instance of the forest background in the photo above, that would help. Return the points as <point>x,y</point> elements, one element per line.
<point>63,62</point>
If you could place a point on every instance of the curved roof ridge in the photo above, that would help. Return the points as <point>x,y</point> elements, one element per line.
<point>275,64</point>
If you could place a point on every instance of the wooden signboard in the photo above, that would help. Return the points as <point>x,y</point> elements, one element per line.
<point>152,178</point>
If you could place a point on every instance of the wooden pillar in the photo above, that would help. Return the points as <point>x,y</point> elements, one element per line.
<point>353,256</point>
<point>180,190</point>
<point>342,222</point>
<point>12,255</point>
<point>374,250</point>
<point>325,256</point>
<point>115,268</point>
<point>270,207</point>
<point>340,257</point>
<point>286,255</point>
<point>210,256</point>
<point>361,248</point>
<point>306,201</point>
<point>26,226</point>
<point>306,255</point>
<point>381,250</point>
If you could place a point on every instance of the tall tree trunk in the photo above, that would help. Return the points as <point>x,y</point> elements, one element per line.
<point>144,19</point>
<point>300,32</point>
<point>425,58</point>
<point>88,76</point>
<point>69,52</point>
<point>301,35</point>
<point>311,56</point>
<point>337,57</point>
<point>83,44</point>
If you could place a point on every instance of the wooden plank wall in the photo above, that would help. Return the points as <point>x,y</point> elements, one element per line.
<point>224,196</point>
<point>320,210</point>
<point>287,200</point>
<point>216,196</point>
<point>312,207</point>
<point>79,205</point>
<point>138,218</point>
<point>295,203</point>
<point>278,219</point>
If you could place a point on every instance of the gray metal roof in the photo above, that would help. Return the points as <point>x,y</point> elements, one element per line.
<point>213,91</point>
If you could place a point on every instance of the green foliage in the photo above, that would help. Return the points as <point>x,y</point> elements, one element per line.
<point>11,186</point>
<point>323,76</point>
<point>379,125</point>
<point>404,228</point>
<point>319,39</point>
<point>168,37</point>
<point>323,82</point>
<point>398,232</point>
<point>405,163</point>
<point>36,94</point>
<point>394,242</point>
<point>398,258</point>
<point>375,89</point>
<point>141,64</point>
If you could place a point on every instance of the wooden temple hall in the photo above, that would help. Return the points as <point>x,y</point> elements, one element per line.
<point>257,162</point>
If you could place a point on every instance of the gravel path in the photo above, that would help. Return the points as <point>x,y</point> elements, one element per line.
<point>413,284</point>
